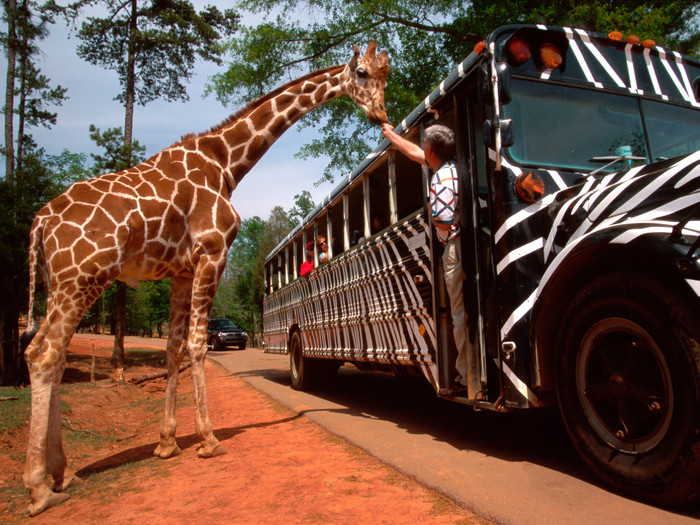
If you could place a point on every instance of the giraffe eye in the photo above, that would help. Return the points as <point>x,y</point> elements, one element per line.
<point>361,72</point>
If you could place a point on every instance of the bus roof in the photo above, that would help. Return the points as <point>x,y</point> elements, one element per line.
<point>591,59</point>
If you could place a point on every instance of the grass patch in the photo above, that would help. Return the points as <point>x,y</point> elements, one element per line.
<point>14,412</point>
<point>145,356</point>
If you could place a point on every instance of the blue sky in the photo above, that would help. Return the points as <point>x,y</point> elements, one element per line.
<point>273,181</point>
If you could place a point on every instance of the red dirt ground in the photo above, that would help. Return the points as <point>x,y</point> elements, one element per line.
<point>280,467</point>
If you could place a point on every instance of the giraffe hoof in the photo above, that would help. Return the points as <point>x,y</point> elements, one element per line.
<point>69,480</point>
<point>208,452</point>
<point>169,451</point>
<point>50,500</point>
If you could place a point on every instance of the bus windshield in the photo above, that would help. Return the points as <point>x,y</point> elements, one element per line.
<point>673,130</point>
<point>569,127</point>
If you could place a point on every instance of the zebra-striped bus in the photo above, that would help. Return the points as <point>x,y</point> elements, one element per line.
<point>579,167</point>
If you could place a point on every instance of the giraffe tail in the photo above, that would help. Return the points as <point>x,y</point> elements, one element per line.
<point>36,264</point>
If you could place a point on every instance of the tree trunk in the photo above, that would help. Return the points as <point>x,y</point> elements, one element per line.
<point>10,94</point>
<point>119,326</point>
<point>21,109</point>
<point>120,309</point>
<point>130,77</point>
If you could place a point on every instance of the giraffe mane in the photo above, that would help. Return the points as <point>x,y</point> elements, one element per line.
<point>249,107</point>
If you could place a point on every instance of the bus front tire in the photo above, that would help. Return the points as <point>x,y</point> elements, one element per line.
<point>628,383</point>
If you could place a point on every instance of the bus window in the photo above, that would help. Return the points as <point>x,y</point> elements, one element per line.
<point>673,130</point>
<point>409,186</point>
<point>335,213</point>
<point>321,239</point>
<point>306,238</point>
<point>274,275</point>
<point>378,198</point>
<point>548,132</point>
<point>298,256</point>
<point>356,223</point>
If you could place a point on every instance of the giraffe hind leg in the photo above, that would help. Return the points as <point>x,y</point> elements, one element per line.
<point>46,356</point>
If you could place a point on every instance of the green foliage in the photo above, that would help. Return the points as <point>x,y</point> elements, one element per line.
<point>147,310</point>
<point>241,291</point>
<point>303,205</point>
<point>235,297</point>
<point>67,168</point>
<point>118,155</point>
<point>165,37</point>
<point>425,40</point>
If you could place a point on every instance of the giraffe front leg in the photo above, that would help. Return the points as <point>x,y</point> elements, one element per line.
<point>209,270</point>
<point>180,300</point>
<point>209,446</point>
<point>167,445</point>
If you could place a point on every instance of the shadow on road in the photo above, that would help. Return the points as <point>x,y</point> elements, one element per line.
<point>535,436</point>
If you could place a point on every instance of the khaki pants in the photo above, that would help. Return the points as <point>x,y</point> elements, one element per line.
<point>454,281</point>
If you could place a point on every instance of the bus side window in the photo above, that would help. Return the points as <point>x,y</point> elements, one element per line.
<point>379,206</point>
<point>298,256</point>
<point>355,213</point>
<point>274,275</point>
<point>409,186</point>
<point>335,212</point>
<point>321,236</point>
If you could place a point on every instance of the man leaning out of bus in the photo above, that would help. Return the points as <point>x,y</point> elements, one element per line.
<point>438,153</point>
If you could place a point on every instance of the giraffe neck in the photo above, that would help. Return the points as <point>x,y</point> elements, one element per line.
<point>239,143</point>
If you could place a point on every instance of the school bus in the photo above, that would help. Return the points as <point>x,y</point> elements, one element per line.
<point>579,163</point>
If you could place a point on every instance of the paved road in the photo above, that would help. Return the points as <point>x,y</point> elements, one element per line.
<point>515,468</point>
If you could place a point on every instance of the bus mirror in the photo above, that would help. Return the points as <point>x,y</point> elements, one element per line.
<point>506,129</point>
<point>488,133</point>
<point>485,88</point>
<point>483,85</point>
<point>504,92</point>
<point>506,133</point>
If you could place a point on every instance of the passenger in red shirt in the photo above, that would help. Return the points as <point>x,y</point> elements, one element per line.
<point>308,264</point>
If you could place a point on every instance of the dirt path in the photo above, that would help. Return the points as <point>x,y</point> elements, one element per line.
<point>280,467</point>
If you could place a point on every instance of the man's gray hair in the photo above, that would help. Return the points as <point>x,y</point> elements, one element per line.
<point>442,140</point>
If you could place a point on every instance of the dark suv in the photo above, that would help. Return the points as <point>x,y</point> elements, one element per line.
<point>223,333</point>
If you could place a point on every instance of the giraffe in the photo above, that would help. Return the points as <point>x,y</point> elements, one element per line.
<point>170,216</point>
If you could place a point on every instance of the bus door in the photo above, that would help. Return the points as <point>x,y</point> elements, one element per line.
<point>473,213</point>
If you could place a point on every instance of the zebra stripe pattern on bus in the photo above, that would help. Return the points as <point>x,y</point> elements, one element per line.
<point>372,303</point>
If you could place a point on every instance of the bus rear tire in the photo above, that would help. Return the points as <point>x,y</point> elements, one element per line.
<point>628,383</point>
<point>304,371</point>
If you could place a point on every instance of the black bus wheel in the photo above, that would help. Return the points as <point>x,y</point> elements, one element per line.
<point>628,384</point>
<point>304,371</point>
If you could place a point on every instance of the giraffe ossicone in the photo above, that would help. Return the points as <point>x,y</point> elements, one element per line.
<point>170,216</point>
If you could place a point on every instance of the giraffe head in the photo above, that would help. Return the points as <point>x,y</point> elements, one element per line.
<point>367,81</point>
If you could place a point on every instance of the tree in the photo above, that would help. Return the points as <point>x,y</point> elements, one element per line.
<point>241,290</point>
<point>28,182</point>
<point>118,155</point>
<point>303,205</point>
<point>424,39</point>
<point>27,25</point>
<point>235,297</point>
<point>152,45</point>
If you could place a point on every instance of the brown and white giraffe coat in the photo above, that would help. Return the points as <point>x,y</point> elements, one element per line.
<point>170,216</point>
